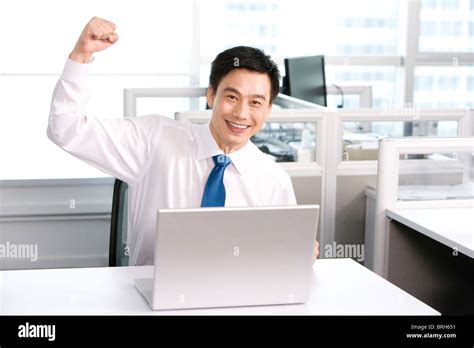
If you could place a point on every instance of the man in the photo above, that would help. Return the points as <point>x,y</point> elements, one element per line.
<point>170,164</point>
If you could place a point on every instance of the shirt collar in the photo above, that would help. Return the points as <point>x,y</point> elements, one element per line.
<point>207,148</point>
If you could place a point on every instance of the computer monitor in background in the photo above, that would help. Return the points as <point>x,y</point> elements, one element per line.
<point>305,79</point>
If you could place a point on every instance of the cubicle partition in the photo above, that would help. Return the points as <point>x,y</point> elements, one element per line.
<point>352,162</point>
<point>424,242</point>
<point>458,169</point>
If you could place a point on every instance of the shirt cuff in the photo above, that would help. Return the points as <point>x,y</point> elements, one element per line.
<point>76,72</point>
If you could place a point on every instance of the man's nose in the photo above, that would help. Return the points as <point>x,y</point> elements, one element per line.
<point>241,111</point>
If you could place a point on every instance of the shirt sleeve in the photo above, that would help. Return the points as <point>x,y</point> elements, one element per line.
<point>120,147</point>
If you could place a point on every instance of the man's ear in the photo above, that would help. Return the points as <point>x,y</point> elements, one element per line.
<point>210,96</point>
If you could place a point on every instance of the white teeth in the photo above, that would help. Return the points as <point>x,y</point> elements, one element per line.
<point>241,126</point>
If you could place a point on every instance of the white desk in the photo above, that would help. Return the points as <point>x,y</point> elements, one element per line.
<point>453,227</point>
<point>339,287</point>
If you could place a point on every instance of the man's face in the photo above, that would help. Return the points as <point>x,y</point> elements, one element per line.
<point>240,106</point>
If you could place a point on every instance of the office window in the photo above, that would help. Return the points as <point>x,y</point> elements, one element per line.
<point>385,82</point>
<point>443,86</point>
<point>430,3</point>
<point>448,83</point>
<point>449,4</point>
<point>338,27</point>
<point>470,83</point>
<point>366,50</point>
<point>428,28</point>
<point>450,28</point>
<point>226,24</point>
<point>424,83</point>
<point>366,22</point>
<point>451,21</point>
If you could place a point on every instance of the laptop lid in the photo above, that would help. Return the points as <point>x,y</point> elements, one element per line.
<point>224,257</point>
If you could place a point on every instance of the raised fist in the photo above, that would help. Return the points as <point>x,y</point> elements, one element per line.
<point>97,35</point>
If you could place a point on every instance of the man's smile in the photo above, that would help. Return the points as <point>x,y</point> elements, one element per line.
<point>236,127</point>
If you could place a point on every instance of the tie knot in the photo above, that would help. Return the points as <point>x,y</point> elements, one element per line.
<point>221,160</point>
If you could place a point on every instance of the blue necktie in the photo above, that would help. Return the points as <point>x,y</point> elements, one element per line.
<point>214,193</point>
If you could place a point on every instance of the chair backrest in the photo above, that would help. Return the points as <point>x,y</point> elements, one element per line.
<point>118,250</point>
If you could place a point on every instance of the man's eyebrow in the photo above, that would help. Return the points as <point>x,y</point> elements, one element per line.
<point>232,89</point>
<point>236,91</point>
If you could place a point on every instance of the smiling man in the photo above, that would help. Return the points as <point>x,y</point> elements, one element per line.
<point>171,164</point>
<point>242,86</point>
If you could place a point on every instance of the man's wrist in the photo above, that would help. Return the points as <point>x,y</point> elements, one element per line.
<point>79,57</point>
<point>76,72</point>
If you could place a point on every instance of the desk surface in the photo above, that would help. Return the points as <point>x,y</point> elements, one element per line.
<point>339,287</point>
<point>450,226</point>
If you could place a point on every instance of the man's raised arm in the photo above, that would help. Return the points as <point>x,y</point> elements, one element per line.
<point>120,147</point>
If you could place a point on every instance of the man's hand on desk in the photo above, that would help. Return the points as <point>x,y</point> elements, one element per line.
<point>97,35</point>
<point>315,250</point>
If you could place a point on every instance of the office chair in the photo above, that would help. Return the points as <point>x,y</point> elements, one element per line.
<point>118,253</point>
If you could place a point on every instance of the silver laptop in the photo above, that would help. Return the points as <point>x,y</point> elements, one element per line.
<point>227,257</point>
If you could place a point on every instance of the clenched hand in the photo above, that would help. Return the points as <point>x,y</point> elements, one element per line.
<point>97,35</point>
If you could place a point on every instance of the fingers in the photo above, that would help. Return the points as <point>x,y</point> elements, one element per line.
<point>101,29</point>
<point>315,250</point>
<point>107,23</point>
<point>96,36</point>
<point>101,22</point>
<point>112,37</point>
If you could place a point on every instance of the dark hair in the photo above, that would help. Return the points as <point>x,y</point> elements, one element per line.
<point>244,57</point>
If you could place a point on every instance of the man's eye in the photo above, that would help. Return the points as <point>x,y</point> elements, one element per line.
<point>257,103</point>
<point>232,97</point>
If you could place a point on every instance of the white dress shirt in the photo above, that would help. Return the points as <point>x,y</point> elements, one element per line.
<point>166,163</point>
